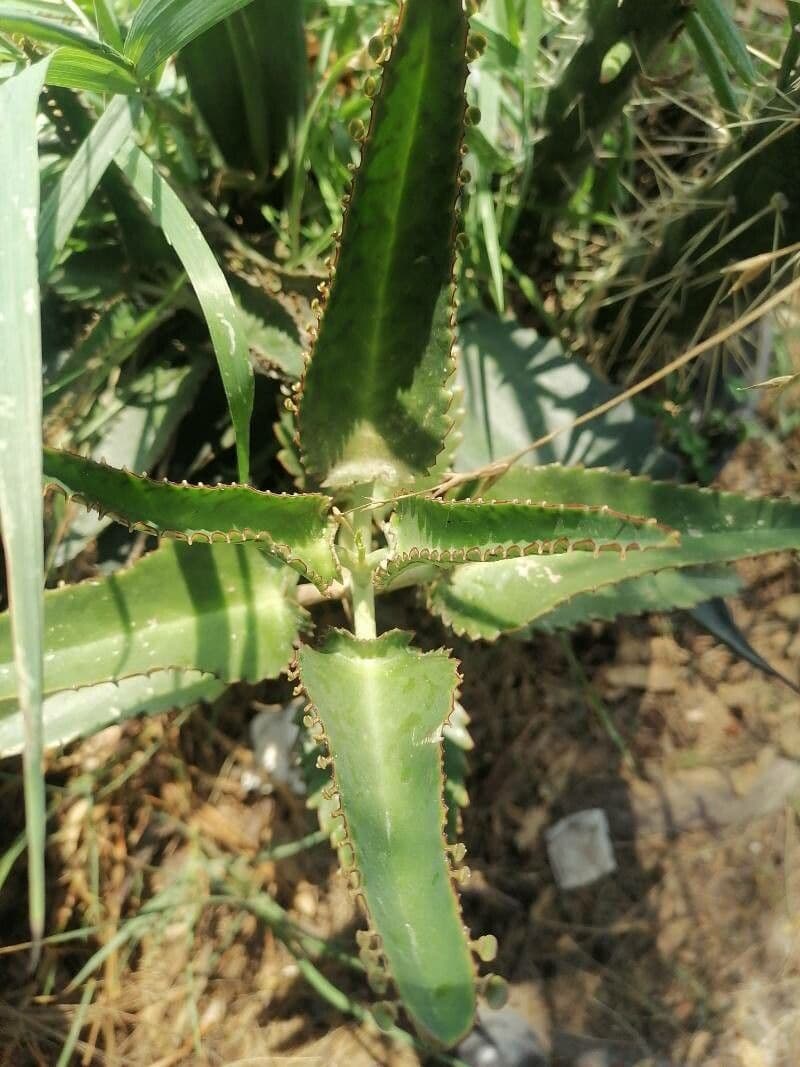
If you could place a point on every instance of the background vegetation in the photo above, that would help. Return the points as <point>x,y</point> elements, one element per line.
<point>632,217</point>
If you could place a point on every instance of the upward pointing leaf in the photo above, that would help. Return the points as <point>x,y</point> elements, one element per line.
<point>374,402</point>
<point>251,96</point>
<point>20,435</point>
<point>17,19</point>
<point>383,706</point>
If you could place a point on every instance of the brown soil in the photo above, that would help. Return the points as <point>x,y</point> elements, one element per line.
<point>688,954</point>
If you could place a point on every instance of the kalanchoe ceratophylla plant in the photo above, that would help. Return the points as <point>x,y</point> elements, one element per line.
<point>224,598</point>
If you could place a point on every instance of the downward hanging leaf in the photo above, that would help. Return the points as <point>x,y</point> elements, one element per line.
<point>424,530</point>
<point>294,528</point>
<point>21,439</point>
<point>222,609</point>
<point>219,308</point>
<point>485,601</point>
<point>375,400</point>
<point>382,707</point>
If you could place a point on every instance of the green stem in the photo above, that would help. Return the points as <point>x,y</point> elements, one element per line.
<point>360,580</point>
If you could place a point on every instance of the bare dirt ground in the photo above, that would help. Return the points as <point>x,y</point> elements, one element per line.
<point>687,955</point>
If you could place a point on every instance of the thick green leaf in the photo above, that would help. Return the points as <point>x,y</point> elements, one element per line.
<point>383,706</point>
<point>443,533</point>
<point>664,591</point>
<point>221,609</point>
<point>71,192</point>
<point>247,77</point>
<point>132,430</point>
<point>21,437</point>
<point>293,528</point>
<point>519,386</point>
<point>375,398</point>
<point>81,713</point>
<point>220,309</point>
<point>160,28</point>
<point>484,601</point>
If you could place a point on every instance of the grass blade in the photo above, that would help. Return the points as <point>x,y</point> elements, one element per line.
<point>162,27</point>
<point>221,312</point>
<point>73,68</point>
<point>108,23</point>
<point>725,33</point>
<point>21,440</point>
<point>711,58</point>
<point>17,19</point>
<point>66,201</point>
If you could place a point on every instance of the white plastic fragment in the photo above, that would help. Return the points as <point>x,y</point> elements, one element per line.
<point>273,734</point>
<point>580,849</point>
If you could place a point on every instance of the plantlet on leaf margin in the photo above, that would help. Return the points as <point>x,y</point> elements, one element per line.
<point>374,427</point>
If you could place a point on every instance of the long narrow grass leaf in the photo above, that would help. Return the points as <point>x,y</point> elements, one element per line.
<point>108,23</point>
<point>74,68</point>
<point>162,27</point>
<point>712,61</point>
<point>76,1026</point>
<point>21,439</point>
<point>221,312</point>
<point>16,19</point>
<point>69,196</point>
<point>725,32</point>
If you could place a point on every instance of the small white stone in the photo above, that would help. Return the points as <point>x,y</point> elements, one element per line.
<point>580,849</point>
<point>273,733</point>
